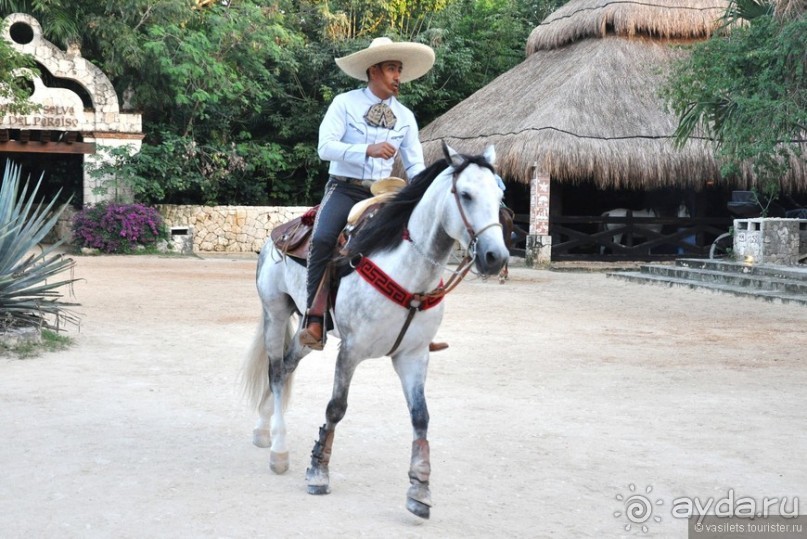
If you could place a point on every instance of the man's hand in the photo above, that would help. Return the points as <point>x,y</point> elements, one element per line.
<point>385,150</point>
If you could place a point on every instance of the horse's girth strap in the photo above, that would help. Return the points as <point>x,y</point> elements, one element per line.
<point>409,317</point>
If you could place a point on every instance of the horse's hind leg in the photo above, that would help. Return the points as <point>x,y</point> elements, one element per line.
<point>283,360</point>
<point>262,433</point>
<point>279,452</point>
<point>255,377</point>
<point>270,373</point>
<point>412,372</point>
<point>317,475</point>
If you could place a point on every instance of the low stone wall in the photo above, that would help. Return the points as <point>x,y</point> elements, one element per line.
<point>63,229</point>
<point>770,240</point>
<point>227,229</point>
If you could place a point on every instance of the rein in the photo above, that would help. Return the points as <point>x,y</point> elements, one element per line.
<point>415,302</point>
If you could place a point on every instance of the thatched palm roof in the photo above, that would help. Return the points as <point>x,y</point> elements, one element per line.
<point>667,19</point>
<point>789,9</point>
<point>584,105</point>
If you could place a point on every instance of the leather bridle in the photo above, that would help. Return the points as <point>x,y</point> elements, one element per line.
<point>473,235</point>
<point>418,301</point>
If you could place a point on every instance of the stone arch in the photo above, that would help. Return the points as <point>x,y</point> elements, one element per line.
<point>63,124</point>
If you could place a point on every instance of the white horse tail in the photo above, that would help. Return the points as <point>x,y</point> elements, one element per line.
<point>255,371</point>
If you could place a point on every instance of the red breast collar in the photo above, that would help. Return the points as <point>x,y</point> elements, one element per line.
<point>392,290</point>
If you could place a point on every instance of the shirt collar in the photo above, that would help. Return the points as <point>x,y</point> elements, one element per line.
<point>375,99</point>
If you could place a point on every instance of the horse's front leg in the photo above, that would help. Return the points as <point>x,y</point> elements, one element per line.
<point>316,475</point>
<point>411,370</point>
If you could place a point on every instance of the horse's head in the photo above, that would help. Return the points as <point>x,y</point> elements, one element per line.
<point>471,213</point>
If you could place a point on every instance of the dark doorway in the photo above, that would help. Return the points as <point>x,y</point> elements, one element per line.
<point>63,172</point>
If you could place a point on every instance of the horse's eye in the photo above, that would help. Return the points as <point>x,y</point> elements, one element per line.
<point>466,196</point>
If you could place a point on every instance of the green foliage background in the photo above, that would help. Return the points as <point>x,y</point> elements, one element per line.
<point>232,95</point>
<point>747,90</point>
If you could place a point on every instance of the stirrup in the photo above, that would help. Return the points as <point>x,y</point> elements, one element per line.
<point>307,338</point>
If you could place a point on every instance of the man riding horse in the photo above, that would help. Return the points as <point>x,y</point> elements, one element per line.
<point>360,135</point>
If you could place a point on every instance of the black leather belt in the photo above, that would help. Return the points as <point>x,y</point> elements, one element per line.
<point>354,181</point>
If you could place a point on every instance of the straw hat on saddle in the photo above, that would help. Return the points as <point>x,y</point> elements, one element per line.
<point>383,189</point>
<point>390,184</point>
<point>417,59</point>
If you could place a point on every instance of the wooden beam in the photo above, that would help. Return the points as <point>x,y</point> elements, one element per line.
<point>47,147</point>
<point>114,135</point>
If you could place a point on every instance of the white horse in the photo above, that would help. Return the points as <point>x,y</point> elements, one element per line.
<point>683,211</point>
<point>403,250</point>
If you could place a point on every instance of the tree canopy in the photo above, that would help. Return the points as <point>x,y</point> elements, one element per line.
<point>746,89</point>
<point>232,93</point>
<point>13,90</point>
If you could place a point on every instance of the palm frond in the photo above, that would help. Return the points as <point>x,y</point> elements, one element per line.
<point>747,10</point>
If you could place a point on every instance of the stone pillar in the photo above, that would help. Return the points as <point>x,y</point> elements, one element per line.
<point>539,242</point>
<point>770,240</point>
<point>107,187</point>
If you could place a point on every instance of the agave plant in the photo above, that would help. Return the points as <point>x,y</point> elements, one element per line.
<point>29,294</point>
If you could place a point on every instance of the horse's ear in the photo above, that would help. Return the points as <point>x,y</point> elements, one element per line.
<point>490,154</point>
<point>451,155</point>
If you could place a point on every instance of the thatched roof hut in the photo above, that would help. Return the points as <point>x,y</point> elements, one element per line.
<point>584,104</point>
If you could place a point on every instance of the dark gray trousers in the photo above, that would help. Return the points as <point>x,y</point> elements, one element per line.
<point>333,211</point>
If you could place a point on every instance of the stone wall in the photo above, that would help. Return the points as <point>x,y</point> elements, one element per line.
<point>227,229</point>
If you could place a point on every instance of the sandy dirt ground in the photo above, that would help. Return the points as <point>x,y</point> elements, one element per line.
<point>563,394</point>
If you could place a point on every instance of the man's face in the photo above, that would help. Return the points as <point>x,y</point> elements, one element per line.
<point>387,77</point>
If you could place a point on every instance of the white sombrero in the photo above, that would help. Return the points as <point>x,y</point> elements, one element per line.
<point>417,59</point>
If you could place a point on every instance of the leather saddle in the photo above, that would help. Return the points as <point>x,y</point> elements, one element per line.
<point>293,238</point>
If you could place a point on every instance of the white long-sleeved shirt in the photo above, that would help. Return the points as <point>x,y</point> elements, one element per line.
<point>344,137</point>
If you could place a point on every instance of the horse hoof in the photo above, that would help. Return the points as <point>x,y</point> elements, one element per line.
<point>318,481</point>
<point>319,490</point>
<point>417,508</point>
<point>262,438</point>
<point>279,462</point>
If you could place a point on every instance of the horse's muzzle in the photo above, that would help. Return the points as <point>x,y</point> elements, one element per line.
<point>490,255</point>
